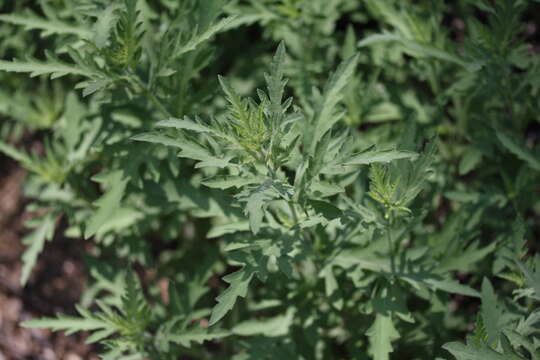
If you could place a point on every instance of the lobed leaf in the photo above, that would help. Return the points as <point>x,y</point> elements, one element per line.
<point>519,150</point>
<point>48,27</point>
<point>36,241</point>
<point>371,156</point>
<point>381,334</point>
<point>108,204</point>
<point>491,314</point>
<point>238,287</point>
<point>184,124</point>
<point>227,182</point>
<point>325,117</point>
<point>468,352</point>
<point>68,323</point>
<point>197,336</point>
<point>53,67</point>
<point>206,35</point>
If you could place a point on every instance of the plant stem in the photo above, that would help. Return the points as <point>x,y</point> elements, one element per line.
<point>390,245</point>
<point>432,78</point>
<point>157,103</point>
<point>293,212</point>
<point>149,95</point>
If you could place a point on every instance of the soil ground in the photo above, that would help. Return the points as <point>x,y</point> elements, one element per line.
<point>54,286</point>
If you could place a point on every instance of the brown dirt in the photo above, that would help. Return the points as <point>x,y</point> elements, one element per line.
<point>54,286</point>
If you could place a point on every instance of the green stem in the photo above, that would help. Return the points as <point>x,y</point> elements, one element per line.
<point>293,212</point>
<point>306,238</point>
<point>157,103</point>
<point>433,82</point>
<point>149,95</point>
<point>390,244</point>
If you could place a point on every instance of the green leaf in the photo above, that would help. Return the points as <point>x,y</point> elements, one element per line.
<point>255,210</point>
<point>15,154</point>
<point>392,299</point>
<point>324,112</point>
<point>157,138</point>
<point>465,258</point>
<point>276,85</point>
<point>436,282</point>
<point>48,27</point>
<point>272,327</point>
<point>413,175</point>
<point>325,189</point>
<point>198,336</point>
<point>452,287</point>
<point>69,323</point>
<point>381,334</point>
<point>520,340</point>
<point>326,209</point>
<point>239,107</point>
<point>227,182</point>
<point>129,322</point>
<point>491,313</point>
<point>479,337</point>
<point>196,152</point>
<point>469,352</point>
<point>471,158</point>
<point>190,149</point>
<point>184,124</point>
<point>349,45</point>
<point>53,67</point>
<point>381,187</point>
<point>50,167</point>
<point>91,86</point>
<point>533,278</point>
<point>204,36</point>
<point>228,228</point>
<point>36,241</point>
<point>104,25</point>
<point>256,202</point>
<point>332,290</point>
<point>238,287</point>
<point>125,48</point>
<point>508,351</point>
<point>207,12</point>
<point>372,155</point>
<point>510,143</point>
<point>74,128</point>
<point>416,49</point>
<point>108,204</point>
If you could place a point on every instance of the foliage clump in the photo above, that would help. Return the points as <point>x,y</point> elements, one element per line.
<point>362,177</point>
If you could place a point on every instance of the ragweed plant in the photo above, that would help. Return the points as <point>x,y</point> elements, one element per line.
<point>283,179</point>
